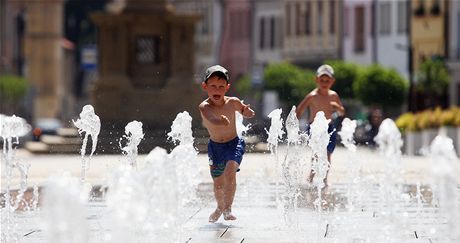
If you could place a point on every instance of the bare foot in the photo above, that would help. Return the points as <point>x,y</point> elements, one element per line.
<point>228,215</point>
<point>215,216</point>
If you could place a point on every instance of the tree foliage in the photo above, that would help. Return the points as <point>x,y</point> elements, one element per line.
<point>345,74</point>
<point>243,85</point>
<point>291,82</point>
<point>12,88</point>
<point>433,77</point>
<point>380,86</point>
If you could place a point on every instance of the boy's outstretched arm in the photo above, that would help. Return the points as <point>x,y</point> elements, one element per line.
<point>337,105</point>
<point>302,106</point>
<point>245,110</point>
<point>211,117</point>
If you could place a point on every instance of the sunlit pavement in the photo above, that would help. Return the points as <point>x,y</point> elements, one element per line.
<point>259,217</point>
<point>413,168</point>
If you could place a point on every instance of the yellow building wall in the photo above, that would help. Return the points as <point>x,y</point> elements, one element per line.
<point>427,32</point>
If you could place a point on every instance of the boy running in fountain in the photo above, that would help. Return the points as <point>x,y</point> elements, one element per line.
<point>225,148</point>
<point>323,99</point>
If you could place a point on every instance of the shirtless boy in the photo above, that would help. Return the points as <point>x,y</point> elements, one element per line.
<point>225,148</point>
<point>323,99</point>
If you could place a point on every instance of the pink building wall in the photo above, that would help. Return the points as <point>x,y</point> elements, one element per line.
<point>235,50</point>
<point>350,31</point>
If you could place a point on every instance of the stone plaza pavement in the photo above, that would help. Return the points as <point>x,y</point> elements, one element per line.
<point>414,168</point>
<point>259,216</point>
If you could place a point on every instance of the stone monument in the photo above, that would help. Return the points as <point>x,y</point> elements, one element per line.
<point>146,66</point>
<point>44,56</point>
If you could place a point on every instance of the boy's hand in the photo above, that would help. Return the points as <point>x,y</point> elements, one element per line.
<point>224,120</point>
<point>337,107</point>
<point>334,104</point>
<point>246,111</point>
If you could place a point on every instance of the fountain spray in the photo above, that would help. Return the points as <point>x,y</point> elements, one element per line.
<point>90,124</point>
<point>346,134</point>
<point>184,156</point>
<point>160,191</point>
<point>293,170</point>
<point>12,127</point>
<point>64,210</point>
<point>134,136</point>
<point>241,129</point>
<point>275,134</point>
<point>390,142</point>
<point>445,183</point>
<point>319,139</point>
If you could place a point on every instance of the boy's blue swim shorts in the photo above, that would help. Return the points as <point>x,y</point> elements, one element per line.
<point>220,153</point>
<point>332,139</point>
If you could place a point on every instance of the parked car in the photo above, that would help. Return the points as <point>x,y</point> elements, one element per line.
<point>47,126</point>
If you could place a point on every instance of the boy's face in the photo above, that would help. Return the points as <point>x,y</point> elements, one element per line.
<point>324,81</point>
<point>216,88</point>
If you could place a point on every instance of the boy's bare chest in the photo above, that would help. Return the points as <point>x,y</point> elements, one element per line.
<point>226,111</point>
<point>321,101</point>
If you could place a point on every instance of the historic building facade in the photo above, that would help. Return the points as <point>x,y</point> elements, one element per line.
<point>208,31</point>
<point>267,32</point>
<point>454,51</point>
<point>427,30</point>
<point>392,34</point>
<point>235,50</point>
<point>312,31</point>
<point>358,27</point>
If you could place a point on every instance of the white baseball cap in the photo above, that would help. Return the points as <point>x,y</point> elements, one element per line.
<point>325,70</point>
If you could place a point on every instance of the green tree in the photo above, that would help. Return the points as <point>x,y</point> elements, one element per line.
<point>243,85</point>
<point>302,86</point>
<point>433,77</point>
<point>291,82</point>
<point>345,74</point>
<point>381,87</point>
<point>12,88</point>
<point>432,82</point>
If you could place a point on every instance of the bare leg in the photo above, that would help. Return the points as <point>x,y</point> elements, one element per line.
<point>312,175</point>
<point>314,159</point>
<point>312,172</point>
<point>327,171</point>
<point>219,195</point>
<point>229,188</point>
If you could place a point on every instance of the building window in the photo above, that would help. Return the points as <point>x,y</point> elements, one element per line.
<point>148,49</point>
<point>308,18</point>
<point>402,17</point>
<point>333,17</point>
<point>320,18</point>
<point>272,32</point>
<point>234,25</point>
<point>360,29</point>
<point>288,19</point>
<point>458,37</point>
<point>298,20</point>
<point>346,24</point>
<point>205,21</point>
<point>385,18</point>
<point>458,92</point>
<point>262,33</point>
<point>239,25</point>
<point>244,24</point>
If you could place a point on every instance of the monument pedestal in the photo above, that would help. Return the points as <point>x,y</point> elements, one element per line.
<point>146,67</point>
